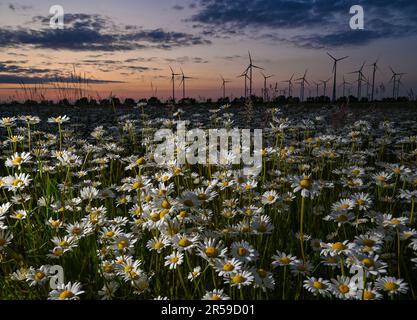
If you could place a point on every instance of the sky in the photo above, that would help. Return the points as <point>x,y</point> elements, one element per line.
<point>125,47</point>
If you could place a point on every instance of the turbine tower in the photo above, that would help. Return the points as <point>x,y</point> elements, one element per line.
<point>324,82</point>
<point>303,82</point>
<point>265,90</point>
<point>224,86</point>
<point>183,77</point>
<point>289,85</point>
<point>250,68</point>
<point>245,74</point>
<point>335,73</point>
<point>173,74</point>
<point>360,78</point>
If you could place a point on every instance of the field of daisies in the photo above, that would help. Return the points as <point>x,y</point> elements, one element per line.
<point>331,216</point>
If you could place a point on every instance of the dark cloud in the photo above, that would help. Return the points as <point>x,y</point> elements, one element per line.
<point>18,79</point>
<point>15,7</point>
<point>186,59</point>
<point>84,32</point>
<point>178,7</point>
<point>322,23</point>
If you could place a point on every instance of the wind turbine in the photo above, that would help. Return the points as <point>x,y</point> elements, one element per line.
<point>289,85</point>
<point>360,78</point>
<point>394,79</point>
<point>173,74</point>
<point>265,78</point>
<point>399,82</point>
<point>375,67</point>
<point>183,82</point>
<point>250,68</point>
<point>324,82</point>
<point>245,74</point>
<point>344,83</point>
<point>224,86</point>
<point>317,88</point>
<point>303,82</point>
<point>335,72</point>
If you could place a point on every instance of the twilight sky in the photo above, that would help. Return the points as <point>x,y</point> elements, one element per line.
<point>123,46</point>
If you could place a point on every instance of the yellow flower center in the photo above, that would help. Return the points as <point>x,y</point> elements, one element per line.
<point>368,262</point>
<point>390,286</point>
<point>109,234</point>
<point>338,246</point>
<point>158,245</point>
<point>215,298</point>
<point>19,216</point>
<point>343,288</point>
<point>76,230</point>
<point>360,202</point>
<point>395,221</point>
<point>174,260</point>
<point>262,273</point>
<point>202,196</point>
<point>318,285</point>
<point>241,251</point>
<point>238,279</point>
<point>184,243</point>
<point>137,185</point>
<point>228,267</point>
<point>211,252</point>
<point>66,294</point>
<point>368,295</point>
<point>122,244</point>
<point>154,217</point>
<point>369,242</point>
<point>108,268</point>
<point>305,183</point>
<point>344,206</point>
<point>189,203</point>
<point>140,161</point>
<point>285,260</point>
<point>148,198</point>
<point>270,197</point>
<point>16,182</point>
<point>17,160</point>
<point>165,204</point>
<point>39,275</point>
<point>355,172</point>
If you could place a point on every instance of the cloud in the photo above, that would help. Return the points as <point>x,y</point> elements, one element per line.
<point>186,59</point>
<point>306,23</point>
<point>19,79</point>
<point>15,7</point>
<point>178,7</point>
<point>85,32</point>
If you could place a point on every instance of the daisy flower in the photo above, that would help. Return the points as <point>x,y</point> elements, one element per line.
<point>343,288</point>
<point>281,259</point>
<point>174,259</point>
<point>216,294</point>
<point>240,279</point>
<point>17,160</point>
<point>157,243</point>
<point>67,291</point>
<point>194,274</point>
<point>59,119</point>
<point>269,197</point>
<point>225,267</point>
<point>317,286</point>
<point>243,251</point>
<point>391,285</point>
<point>5,239</point>
<point>212,248</point>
